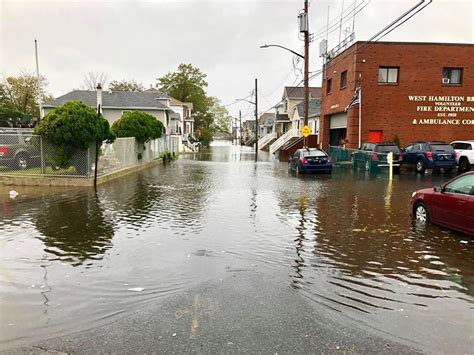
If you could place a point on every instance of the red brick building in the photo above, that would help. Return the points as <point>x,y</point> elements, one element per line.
<point>413,91</point>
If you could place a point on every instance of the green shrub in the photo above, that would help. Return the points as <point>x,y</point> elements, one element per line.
<point>71,127</point>
<point>205,136</point>
<point>140,125</point>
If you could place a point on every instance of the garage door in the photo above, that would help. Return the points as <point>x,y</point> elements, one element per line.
<point>338,120</point>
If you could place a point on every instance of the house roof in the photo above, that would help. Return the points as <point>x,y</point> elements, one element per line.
<point>118,99</point>
<point>297,92</point>
<point>314,108</point>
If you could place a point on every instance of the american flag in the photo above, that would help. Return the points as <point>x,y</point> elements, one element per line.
<point>355,100</point>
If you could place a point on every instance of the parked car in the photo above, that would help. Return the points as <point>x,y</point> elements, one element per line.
<point>372,155</point>
<point>429,155</point>
<point>464,154</point>
<point>17,150</point>
<point>310,160</point>
<point>450,205</point>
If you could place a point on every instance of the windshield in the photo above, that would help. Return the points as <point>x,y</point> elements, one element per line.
<point>442,148</point>
<point>313,153</point>
<point>387,149</point>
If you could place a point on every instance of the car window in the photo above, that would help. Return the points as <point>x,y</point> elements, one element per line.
<point>409,148</point>
<point>442,148</point>
<point>369,146</point>
<point>387,149</point>
<point>464,185</point>
<point>313,153</point>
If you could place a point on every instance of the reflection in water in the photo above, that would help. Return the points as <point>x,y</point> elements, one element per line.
<point>344,241</point>
<point>75,230</point>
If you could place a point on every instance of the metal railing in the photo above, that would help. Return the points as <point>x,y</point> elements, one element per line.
<point>341,155</point>
<point>283,139</point>
<point>266,139</point>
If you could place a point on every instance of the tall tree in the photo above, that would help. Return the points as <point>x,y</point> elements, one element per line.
<point>22,93</point>
<point>125,85</point>
<point>91,79</point>
<point>220,116</point>
<point>188,84</point>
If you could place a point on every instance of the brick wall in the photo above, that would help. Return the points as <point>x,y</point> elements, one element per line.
<point>388,107</point>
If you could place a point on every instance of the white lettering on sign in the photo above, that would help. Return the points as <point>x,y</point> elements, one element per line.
<point>334,106</point>
<point>446,108</point>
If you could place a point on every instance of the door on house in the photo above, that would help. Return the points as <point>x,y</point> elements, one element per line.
<point>375,136</point>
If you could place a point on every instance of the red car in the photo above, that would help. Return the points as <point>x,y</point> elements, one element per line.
<point>450,205</point>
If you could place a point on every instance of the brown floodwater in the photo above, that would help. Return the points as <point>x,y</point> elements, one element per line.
<point>73,259</point>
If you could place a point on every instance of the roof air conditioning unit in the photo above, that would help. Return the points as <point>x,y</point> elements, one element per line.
<point>445,80</point>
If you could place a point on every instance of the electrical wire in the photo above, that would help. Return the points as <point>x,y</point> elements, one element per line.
<point>379,35</point>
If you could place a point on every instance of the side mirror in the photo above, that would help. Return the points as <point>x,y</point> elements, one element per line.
<point>438,189</point>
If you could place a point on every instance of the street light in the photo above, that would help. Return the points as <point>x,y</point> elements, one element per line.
<point>288,49</point>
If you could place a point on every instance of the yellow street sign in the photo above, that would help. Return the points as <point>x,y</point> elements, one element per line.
<point>305,131</point>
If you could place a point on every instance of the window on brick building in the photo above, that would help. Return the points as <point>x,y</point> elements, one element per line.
<point>329,86</point>
<point>388,75</point>
<point>344,79</point>
<point>452,76</point>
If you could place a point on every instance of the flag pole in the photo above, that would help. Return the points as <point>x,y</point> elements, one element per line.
<point>360,114</point>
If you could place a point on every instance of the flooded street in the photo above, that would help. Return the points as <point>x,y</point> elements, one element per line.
<point>73,259</point>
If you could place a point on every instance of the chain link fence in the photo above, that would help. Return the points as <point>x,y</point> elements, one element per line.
<point>25,154</point>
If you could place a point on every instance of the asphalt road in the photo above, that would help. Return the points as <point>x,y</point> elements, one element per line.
<point>244,312</point>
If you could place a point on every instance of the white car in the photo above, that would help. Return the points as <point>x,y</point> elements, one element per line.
<point>464,154</point>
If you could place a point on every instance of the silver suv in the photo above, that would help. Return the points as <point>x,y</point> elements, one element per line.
<point>464,154</point>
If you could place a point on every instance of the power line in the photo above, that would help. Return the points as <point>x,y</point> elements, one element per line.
<point>379,35</point>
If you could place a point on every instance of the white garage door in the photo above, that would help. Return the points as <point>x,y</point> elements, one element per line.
<point>338,120</point>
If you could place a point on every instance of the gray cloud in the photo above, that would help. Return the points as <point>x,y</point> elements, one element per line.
<point>143,40</point>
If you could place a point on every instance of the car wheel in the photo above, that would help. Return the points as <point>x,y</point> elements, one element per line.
<point>21,161</point>
<point>464,165</point>
<point>421,213</point>
<point>420,166</point>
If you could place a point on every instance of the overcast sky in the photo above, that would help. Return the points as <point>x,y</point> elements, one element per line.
<point>143,40</point>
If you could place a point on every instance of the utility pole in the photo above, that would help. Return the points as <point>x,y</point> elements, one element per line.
<point>306,70</point>
<point>240,122</point>
<point>38,78</point>
<point>256,122</point>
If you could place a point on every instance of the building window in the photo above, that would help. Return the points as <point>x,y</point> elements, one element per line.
<point>452,76</point>
<point>329,86</point>
<point>388,75</point>
<point>344,79</point>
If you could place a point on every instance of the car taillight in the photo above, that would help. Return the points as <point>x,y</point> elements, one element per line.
<point>400,156</point>
<point>3,150</point>
<point>329,160</point>
<point>303,161</point>
<point>374,156</point>
<point>429,155</point>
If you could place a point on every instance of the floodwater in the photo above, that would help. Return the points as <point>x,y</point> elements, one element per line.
<point>73,259</point>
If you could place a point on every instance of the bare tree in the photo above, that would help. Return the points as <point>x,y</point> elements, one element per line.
<point>91,79</point>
